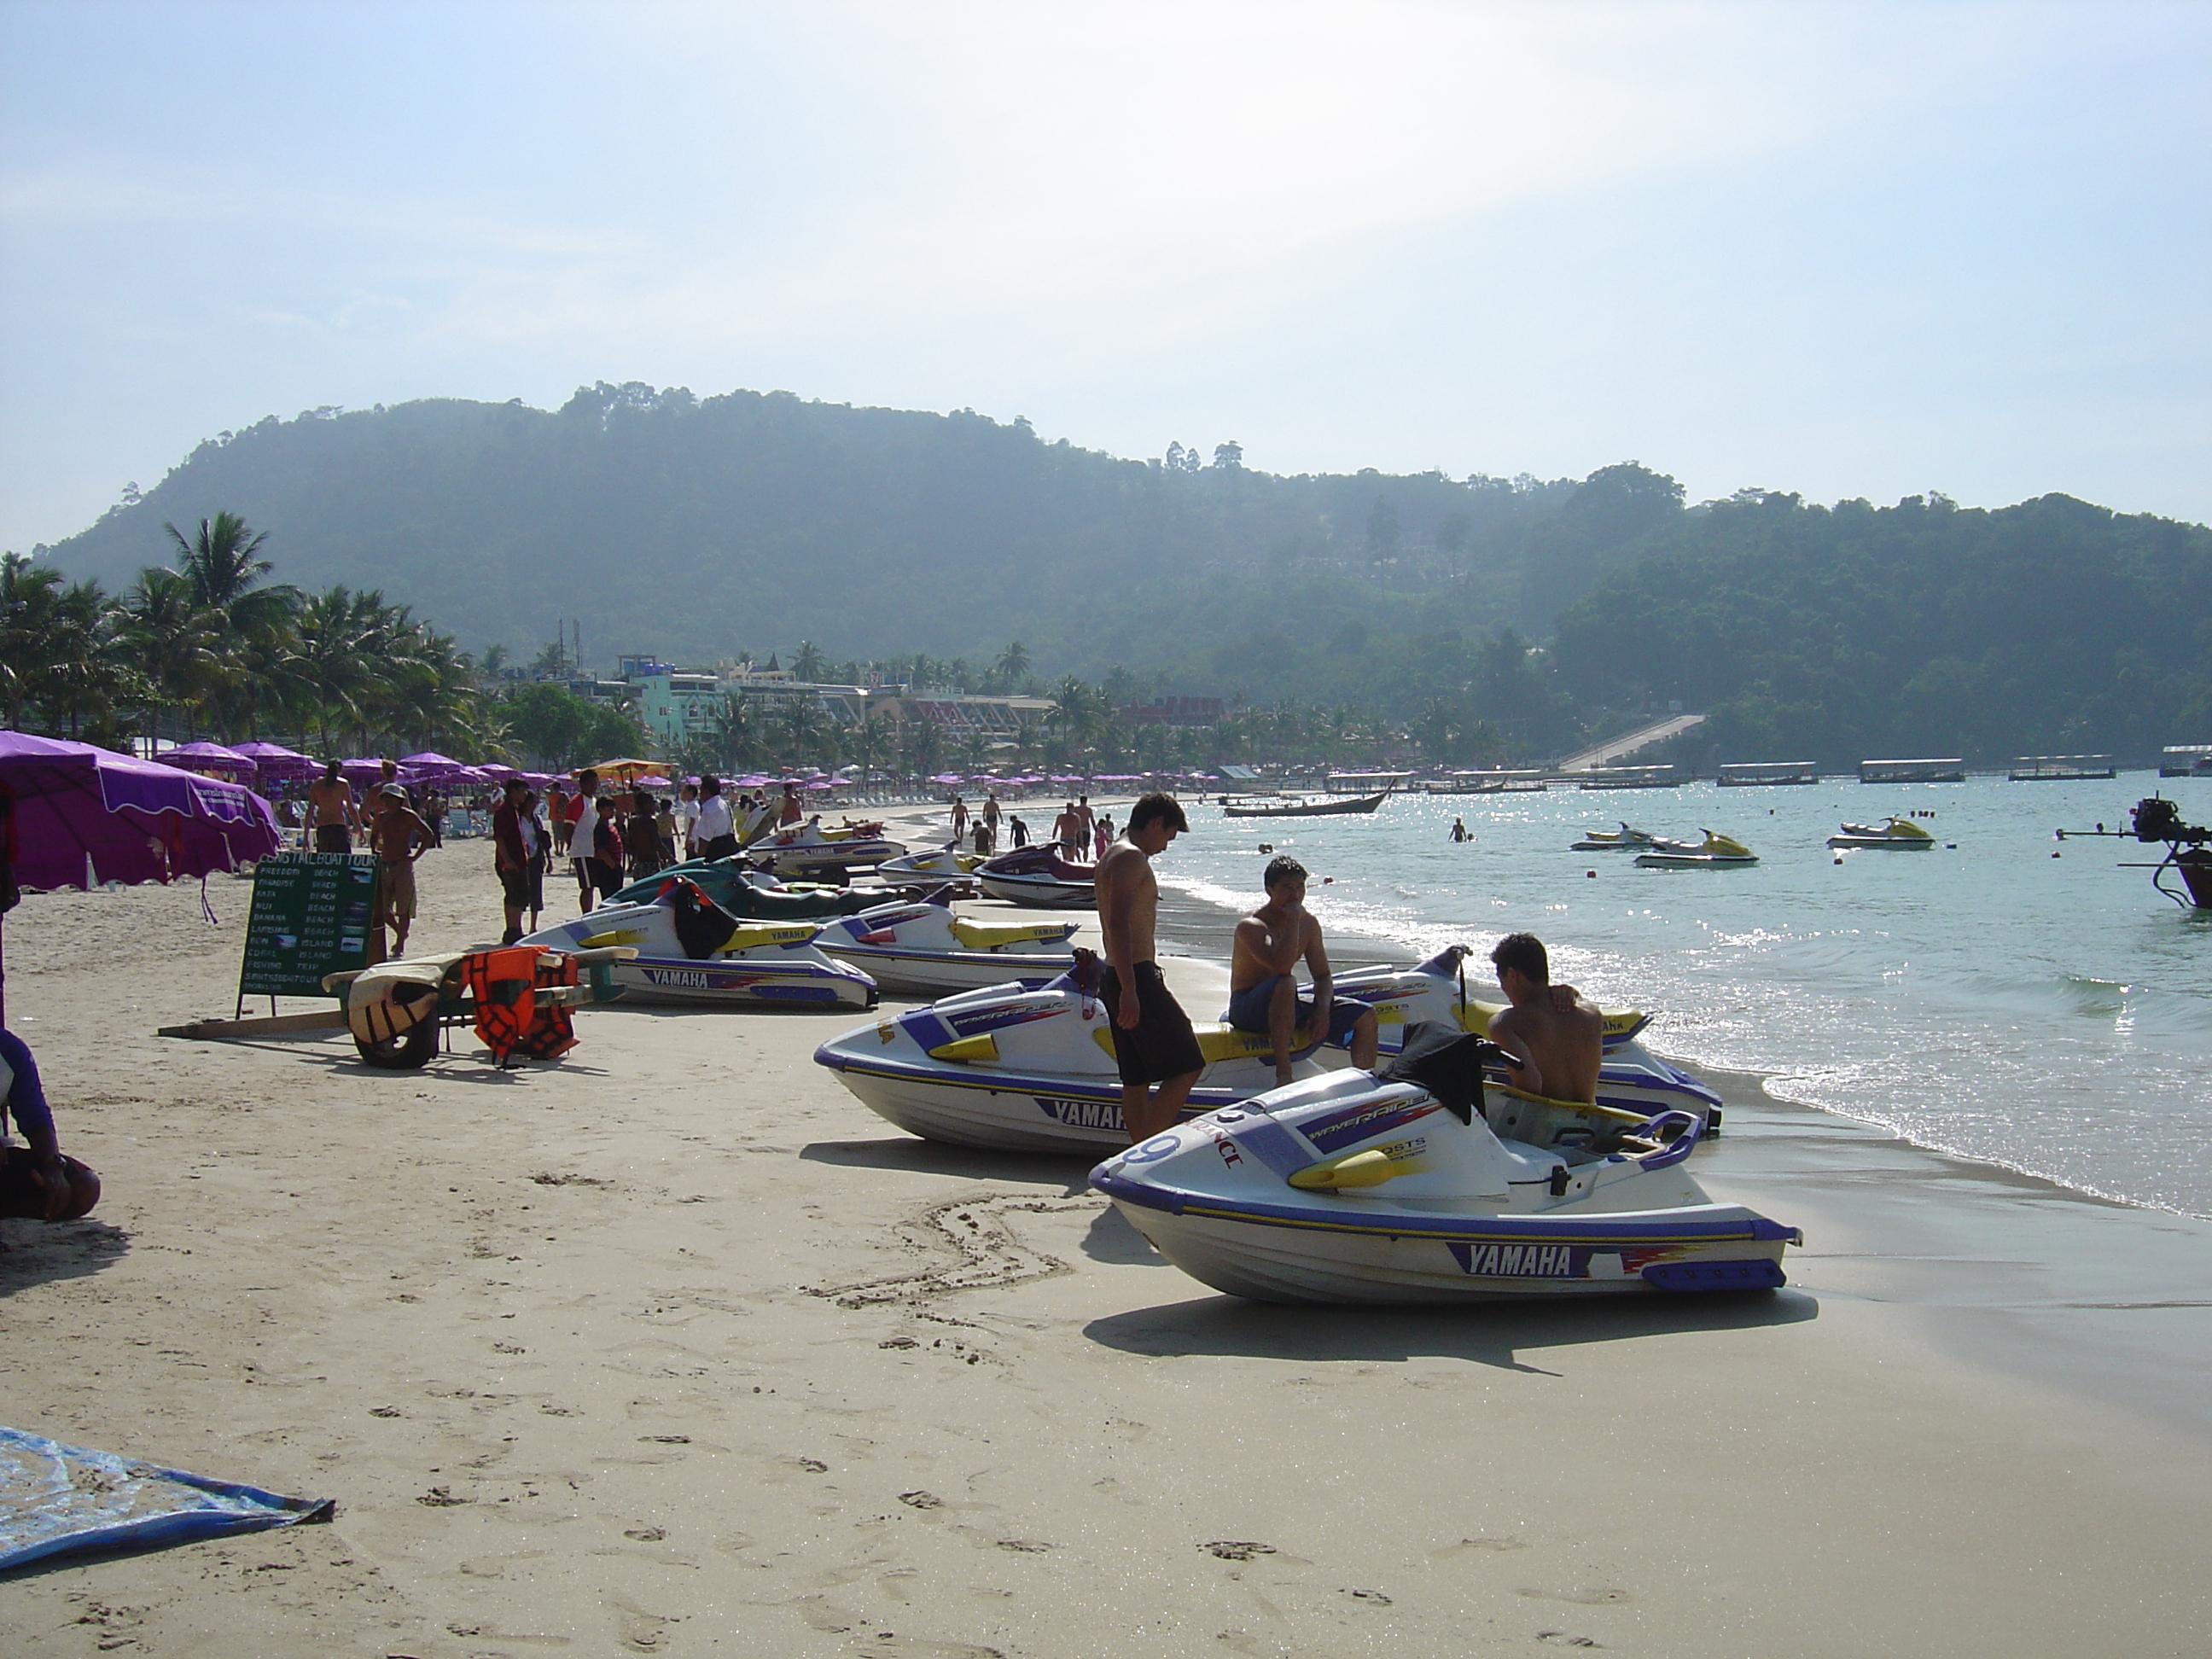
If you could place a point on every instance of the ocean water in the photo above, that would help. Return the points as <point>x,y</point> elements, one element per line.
<point>2053,1016</point>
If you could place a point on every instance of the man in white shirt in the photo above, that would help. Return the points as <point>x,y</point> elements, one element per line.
<point>579,838</point>
<point>717,837</point>
<point>687,822</point>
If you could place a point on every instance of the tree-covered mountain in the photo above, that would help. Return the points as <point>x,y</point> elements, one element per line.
<point>1837,634</point>
<point>699,528</point>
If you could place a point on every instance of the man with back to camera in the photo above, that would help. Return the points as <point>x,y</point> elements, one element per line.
<point>331,813</point>
<point>1154,1044</point>
<point>1552,1039</point>
<point>1263,988</point>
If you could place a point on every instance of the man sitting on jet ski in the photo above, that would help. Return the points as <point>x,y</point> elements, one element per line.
<point>1263,993</point>
<point>1554,1051</point>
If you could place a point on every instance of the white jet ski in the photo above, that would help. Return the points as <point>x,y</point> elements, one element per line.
<point>1017,1069</point>
<point>941,865</point>
<point>928,947</point>
<point>807,848</point>
<point>1038,877</point>
<point>1626,839</point>
<point>1715,852</point>
<point>689,949</point>
<point>1341,1189</point>
<point>1898,835</point>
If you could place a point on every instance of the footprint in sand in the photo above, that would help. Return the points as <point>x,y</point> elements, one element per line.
<point>1235,1549</point>
<point>921,1500</point>
<point>984,1248</point>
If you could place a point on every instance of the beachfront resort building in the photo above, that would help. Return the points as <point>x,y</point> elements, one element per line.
<point>682,705</point>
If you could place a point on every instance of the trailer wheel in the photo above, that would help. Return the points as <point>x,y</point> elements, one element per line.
<point>410,1051</point>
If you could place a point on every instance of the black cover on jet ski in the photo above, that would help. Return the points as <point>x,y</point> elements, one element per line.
<point>702,926</point>
<point>1446,1061</point>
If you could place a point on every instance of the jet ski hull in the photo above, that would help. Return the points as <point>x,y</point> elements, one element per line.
<point>1039,893</point>
<point>925,947</point>
<point>774,965</point>
<point>1344,1190</point>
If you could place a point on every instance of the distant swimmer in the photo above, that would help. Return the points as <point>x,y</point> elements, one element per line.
<point>1552,1039</point>
<point>1263,991</point>
<point>1460,831</point>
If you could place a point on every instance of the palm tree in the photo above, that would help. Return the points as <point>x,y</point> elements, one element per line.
<point>176,641</point>
<point>1013,666</point>
<point>224,565</point>
<point>28,595</point>
<point>1073,709</point>
<point>922,746</point>
<point>802,728</point>
<point>807,663</point>
<point>737,731</point>
<point>326,664</point>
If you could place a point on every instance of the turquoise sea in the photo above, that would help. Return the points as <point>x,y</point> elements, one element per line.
<point>2053,1016</point>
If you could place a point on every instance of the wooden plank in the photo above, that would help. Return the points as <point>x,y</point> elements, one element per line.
<point>217,1030</point>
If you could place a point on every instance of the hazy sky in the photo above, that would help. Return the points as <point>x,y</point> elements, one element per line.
<point>1847,250</point>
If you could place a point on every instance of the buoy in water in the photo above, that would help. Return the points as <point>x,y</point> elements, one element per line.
<point>1592,875</point>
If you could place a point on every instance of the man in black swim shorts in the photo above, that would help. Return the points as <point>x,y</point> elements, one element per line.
<point>1153,1040</point>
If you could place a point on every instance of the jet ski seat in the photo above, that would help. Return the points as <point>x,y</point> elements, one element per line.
<point>991,935</point>
<point>702,926</point>
<point>1216,1041</point>
<point>1565,1125</point>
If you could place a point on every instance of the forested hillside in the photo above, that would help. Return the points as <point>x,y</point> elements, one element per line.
<point>699,528</point>
<point>1842,633</point>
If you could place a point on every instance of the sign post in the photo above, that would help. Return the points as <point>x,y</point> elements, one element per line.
<point>310,917</point>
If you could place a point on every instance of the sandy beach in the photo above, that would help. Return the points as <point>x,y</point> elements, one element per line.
<point>673,1347</point>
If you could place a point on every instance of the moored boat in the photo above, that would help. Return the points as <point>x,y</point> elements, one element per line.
<point>1299,806</point>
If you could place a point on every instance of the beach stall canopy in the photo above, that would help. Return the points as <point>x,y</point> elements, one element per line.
<point>431,763</point>
<point>628,768</point>
<point>361,771</point>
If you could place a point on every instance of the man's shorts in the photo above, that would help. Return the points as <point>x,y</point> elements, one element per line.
<point>1161,1045</point>
<point>521,889</point>
<point>395,892</point>
<point>332,838</point>
<point>24,1197</point>
<point>1248,1010</point>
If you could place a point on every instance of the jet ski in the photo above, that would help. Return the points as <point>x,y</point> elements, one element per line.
<point>689,949</point>
<point>1339,1188</point>
<point>929,948</point>
<point>1038,877</point>
<point>806,848</point>
<point>1624,840</point>
<point>943,864</point>
<point>752,895</point>
<point>1900,834</point>
<point>1019,1068</point>
<point>1714,852</point>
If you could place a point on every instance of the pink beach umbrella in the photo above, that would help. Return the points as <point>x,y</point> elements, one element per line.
<point>207,758</point>
<point>274,760</point>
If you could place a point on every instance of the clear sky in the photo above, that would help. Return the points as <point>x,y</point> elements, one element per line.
<point>1849,250</point>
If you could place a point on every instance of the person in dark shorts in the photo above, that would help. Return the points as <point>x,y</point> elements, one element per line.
<point>510,857</point>
<point>331,813</point>
<point>1154,1050</point>
<point>1263,990</point>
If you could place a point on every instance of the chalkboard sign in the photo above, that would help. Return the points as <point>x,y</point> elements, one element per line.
<point>310,917</point>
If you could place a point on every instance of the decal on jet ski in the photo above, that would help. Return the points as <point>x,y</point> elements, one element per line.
<point>1521,1261</point>
<point>997,1019</point>
<point>1363,1122</point>
<point>1080,1113</point>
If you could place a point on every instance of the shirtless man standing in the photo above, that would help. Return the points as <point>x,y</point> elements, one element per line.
<point>1152,1039</point>
<point>330,811</point>
<point>1554,1051</point>
<point>1263,990</point>
<point>400,838</point>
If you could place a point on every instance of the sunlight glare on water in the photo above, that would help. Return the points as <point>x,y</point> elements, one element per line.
<point>2050,1015</point>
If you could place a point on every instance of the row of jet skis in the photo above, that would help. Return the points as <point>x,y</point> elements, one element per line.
<point>1428,1179</point>
<point>1718,851</point>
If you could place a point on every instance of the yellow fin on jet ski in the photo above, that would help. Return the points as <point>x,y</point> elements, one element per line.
<point>990,935</point>
<point>1475,1017</point>
<point>1371,1168</point>
<point>968,1051</point>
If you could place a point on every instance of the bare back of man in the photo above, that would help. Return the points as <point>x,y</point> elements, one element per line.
<point>1154,1050</point>
<point>1558,1048</point>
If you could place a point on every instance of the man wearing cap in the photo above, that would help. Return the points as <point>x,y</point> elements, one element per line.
<point>400,837</point>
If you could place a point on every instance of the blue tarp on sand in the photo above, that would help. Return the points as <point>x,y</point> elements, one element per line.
<point>55,1497</point>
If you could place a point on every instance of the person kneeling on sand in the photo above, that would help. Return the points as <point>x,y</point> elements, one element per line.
<point>1552,1038</point>
<point>37,1182</point>
<point>1263,992</point>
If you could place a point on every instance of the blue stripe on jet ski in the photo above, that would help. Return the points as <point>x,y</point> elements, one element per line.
<point>926,1029</point>
<point>1201,1101</point>
<point>1548,1229</point>
<point>1268,1140</point>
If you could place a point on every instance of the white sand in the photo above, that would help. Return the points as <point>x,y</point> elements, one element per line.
<point>673,1347</point>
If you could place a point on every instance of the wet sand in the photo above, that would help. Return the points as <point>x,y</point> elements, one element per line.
<point>673,1347</point>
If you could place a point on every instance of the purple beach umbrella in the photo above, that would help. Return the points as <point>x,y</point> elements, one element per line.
<point>79,816</point>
